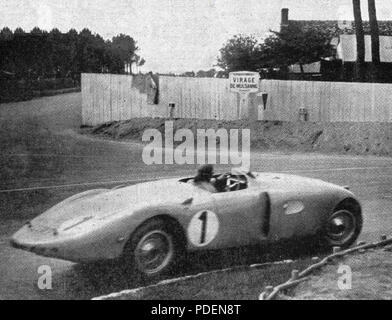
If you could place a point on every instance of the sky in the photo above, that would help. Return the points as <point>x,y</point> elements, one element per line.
<point>175,35</point>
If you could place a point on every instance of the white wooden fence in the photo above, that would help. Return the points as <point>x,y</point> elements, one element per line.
<point>329,101</point>
<point>112,97</point>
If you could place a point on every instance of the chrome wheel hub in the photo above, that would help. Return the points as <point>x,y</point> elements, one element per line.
<point>154,252</point>
<point>341,226</point>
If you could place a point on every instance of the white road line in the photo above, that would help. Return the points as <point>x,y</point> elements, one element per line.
<point>172,177</point>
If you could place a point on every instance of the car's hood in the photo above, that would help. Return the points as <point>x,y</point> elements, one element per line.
<point>106,202</point>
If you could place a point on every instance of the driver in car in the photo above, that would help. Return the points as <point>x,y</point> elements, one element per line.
<point>204,179</point>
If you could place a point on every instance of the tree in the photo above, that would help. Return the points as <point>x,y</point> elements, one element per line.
<point>189,74</point>
<point>221,74</point>
<point>6,34</point>
<point>280,50</point>
<point>19,31</point>
<point>375,35</point>
<point>59,53</point>
<point>125,47</point>
<point>6,62</point>
<point>71,65</point>
<point>294,46</point>
<point>21,58</point>
<point>39,54</point>
<point>92,52</point>
<point>123,50</point>
<point>360,36</point>
<point>206,74</point>
<point>240,53</point>
<point>138,61</point>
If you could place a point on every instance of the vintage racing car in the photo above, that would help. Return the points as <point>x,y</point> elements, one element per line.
<point>150,225</point>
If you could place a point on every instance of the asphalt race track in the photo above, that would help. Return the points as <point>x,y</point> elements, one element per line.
<point>44,160</point>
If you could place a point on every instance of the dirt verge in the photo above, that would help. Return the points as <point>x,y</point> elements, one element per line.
<point>242,283</point>
<point>342,137</point>
<point>370,279</point>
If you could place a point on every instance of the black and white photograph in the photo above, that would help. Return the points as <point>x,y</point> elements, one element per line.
<point>223,151</point>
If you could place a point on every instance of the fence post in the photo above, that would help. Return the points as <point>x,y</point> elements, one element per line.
<point>172,106</point>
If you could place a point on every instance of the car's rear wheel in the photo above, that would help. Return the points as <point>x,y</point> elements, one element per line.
<point>154,249</point>
<point>342,228</point>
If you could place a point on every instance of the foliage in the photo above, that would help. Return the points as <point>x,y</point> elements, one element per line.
<point>279,50</point>
<point>212,73</point>
<point>240,53</point>
<point>41,54</point>
<point>189,74</point>
<point>294,45</point>
<point>13,90</point>
<point>206,74</point>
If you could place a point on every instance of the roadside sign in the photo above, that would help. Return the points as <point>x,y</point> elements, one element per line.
<point>244,82</point>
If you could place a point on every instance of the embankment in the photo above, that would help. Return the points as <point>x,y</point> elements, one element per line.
<point>338,137</point>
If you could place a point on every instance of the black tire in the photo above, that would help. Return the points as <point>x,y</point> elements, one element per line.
<point>342,228</point>
<point>159,241</point>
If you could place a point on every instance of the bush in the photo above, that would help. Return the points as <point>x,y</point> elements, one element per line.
<point>14,90</point>
<point>53,84</point>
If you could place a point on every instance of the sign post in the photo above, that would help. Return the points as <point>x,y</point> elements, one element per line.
<point>262,99</point>
<point>244,83</point>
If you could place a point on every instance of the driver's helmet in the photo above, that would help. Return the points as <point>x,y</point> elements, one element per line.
<point>204,173</point>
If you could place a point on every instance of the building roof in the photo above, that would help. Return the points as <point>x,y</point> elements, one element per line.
<point>336,28</point>
<point>347,48</point>
<point>342,36</point>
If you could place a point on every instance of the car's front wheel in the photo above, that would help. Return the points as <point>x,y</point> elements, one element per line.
<point>342,228</point>
<point>154,249</point>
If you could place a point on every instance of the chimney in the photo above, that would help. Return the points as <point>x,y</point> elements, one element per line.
<point>285,18</point>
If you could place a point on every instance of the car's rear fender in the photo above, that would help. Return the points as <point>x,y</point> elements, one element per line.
<point>296,215</point>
